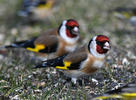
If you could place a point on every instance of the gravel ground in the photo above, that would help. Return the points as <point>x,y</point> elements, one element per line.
<point>18,79</point>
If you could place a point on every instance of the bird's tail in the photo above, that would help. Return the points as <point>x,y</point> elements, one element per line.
<point>51,62</point>
<point>16,45</point>
<point>43,64</point>
<point>21,44</point>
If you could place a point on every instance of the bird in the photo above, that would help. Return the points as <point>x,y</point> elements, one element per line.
<point>125,92</point>
<point>59,41</point>
<point>85,60</point>
<point>38,8</point>
<point>126,13</point>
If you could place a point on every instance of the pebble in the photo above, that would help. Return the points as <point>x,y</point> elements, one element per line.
<point>125,61</point>
<point>16,97</point>
<point>95,81</point>
<point>14,31</point>
<point>2,37</point>
<point>37,91</point>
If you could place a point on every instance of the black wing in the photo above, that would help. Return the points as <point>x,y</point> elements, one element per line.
<point>52,62</point>
<point>22,44</point>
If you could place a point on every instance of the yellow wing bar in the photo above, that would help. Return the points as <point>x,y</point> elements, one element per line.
<point>123,96</point>
<point>37,48</point>
<point>48,5</point>
<point>65,67</point>
<point>127,15</point>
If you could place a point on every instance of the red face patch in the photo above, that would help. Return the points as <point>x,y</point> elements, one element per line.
<point>70,26</point>
<point>101,50</point>
<point>102,38</point>
<point>72,23</point>
<point>69,34</point>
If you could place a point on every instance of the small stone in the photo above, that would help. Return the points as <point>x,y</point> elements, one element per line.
<point>114,65</point>
<point>30,76</point>
<point>125,61</point>
<point>16,97</point>
<point>56,84</point>
<point>14,31</point>
<point>1,57</point>
<point>87,87</point>
<point>54,72</point>
<point>2,81</point>
<point>95,81</point>
<point>91,92</point>
<point>37,91</point>
<point>131,55</point>
<point>2,37</point>
<point>120,66</point>
<point>42,84</point>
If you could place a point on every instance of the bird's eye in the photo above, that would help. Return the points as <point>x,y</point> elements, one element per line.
<point>101,43</point>
<point>70,27</point>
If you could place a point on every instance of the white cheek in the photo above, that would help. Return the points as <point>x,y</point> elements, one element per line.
<point>93,49</point>
<point>98,64</point>
<point>65,37</point>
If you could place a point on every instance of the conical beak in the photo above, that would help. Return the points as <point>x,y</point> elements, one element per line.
<point>75,30</point>
<point>106,46</point>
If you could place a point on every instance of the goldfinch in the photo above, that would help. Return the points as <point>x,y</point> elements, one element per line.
<point>60,41</point>
<point>126,92</point>
<point>82,61</point>
<point>126,13</point>
<point>36,7</point>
